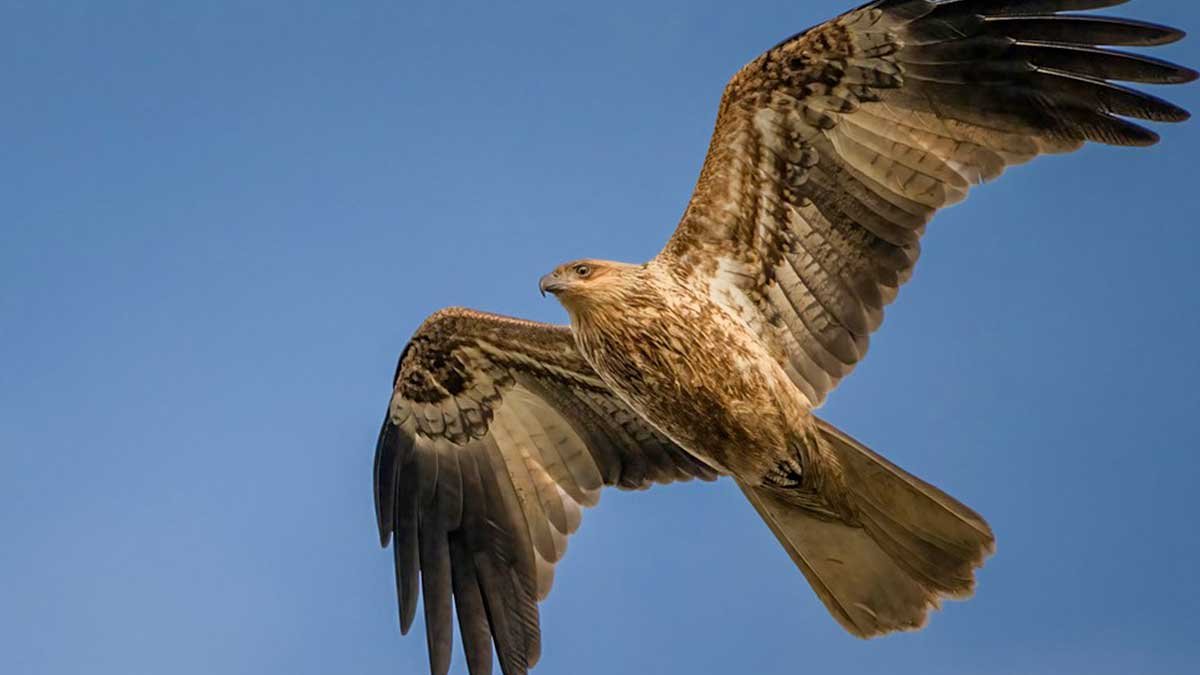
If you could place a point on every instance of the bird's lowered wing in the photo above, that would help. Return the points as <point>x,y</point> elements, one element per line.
<point>497,435</point>
<point>835,148</point>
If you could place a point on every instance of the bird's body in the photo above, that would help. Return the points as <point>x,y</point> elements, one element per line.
<point>650,335</point>
<point>702,376</point>
<point>831,153</point>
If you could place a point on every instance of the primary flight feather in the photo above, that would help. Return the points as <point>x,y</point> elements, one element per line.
<point>831,153</point>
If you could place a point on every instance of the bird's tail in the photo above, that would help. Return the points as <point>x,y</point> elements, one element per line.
<point>910,543</point>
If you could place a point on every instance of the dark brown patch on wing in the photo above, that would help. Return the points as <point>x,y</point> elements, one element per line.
<point>497,435</point>
<point>834,149</point>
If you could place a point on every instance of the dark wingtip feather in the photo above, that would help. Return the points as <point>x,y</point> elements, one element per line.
<point>1082,29</point>
<point>1145,140</point>
<point>385,467</point>
<point>1152,140</point>
<point>1117,131</point>
<point>1178,75</point>
<point>404,549</point>
<point>437,588</point>
<point>1096,62</point>
<point>468,596</point>
<point>1145,33</point>
<point>1171,34</point>
<point>1029,7</point>
<point>1110,97</point>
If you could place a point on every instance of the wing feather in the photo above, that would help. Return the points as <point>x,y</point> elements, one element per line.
<point>435,585</point>
<point>833,151</point>
<point>497,436</point>
<point>473,623</point>
<point>405,547</point>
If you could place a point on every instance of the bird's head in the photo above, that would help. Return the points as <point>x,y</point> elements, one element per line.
<point>582,282</point>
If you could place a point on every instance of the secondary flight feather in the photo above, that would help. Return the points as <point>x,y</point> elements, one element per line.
<point>831,153</point>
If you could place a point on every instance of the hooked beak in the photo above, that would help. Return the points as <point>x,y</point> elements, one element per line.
<point>550,284</point>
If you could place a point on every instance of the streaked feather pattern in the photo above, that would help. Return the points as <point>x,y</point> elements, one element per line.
<point>498,434</point>
<point>833,150</point>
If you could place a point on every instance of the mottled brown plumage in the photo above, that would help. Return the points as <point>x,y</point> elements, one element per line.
<point>674,355</point>
<point>831,153</point>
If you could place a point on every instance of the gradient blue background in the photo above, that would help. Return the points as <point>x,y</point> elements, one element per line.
<point>221,222</point>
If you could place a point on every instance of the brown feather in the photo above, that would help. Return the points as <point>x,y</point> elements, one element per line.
<point>832,152</point>
<point>872,122</point>
<point>497,434</point>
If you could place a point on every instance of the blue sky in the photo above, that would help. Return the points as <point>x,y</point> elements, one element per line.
<point>222,221</point>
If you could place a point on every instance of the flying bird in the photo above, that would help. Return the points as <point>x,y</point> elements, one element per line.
<point>831,153</point>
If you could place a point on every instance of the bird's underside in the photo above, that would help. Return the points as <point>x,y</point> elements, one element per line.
<point>831,153</point>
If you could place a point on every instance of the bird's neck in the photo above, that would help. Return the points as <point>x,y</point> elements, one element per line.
<point>623,314</point>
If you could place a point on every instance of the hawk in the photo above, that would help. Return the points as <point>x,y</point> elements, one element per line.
<point>831,153</point>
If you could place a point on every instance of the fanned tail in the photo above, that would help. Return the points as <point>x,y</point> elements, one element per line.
<point>910,545</point>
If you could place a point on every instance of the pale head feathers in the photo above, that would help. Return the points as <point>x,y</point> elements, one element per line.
<point>584,283</point>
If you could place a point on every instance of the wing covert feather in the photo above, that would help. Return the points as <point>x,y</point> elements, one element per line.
<point>834,149</point>
<point>498,434</point>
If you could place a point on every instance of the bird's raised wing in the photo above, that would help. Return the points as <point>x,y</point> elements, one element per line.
<point>834,149</point>
<point>498,433</point>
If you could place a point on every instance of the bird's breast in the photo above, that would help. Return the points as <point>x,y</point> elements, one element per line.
<point>697,375</point>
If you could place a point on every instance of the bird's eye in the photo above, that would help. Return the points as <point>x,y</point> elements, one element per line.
<point>582,270</point>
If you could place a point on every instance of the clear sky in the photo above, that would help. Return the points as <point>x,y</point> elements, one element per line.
<point>221,221</point>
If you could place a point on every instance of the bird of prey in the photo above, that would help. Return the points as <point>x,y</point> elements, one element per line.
<point>831,153</point>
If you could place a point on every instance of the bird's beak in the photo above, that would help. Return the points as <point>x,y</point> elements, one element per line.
<point>550,284</point>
